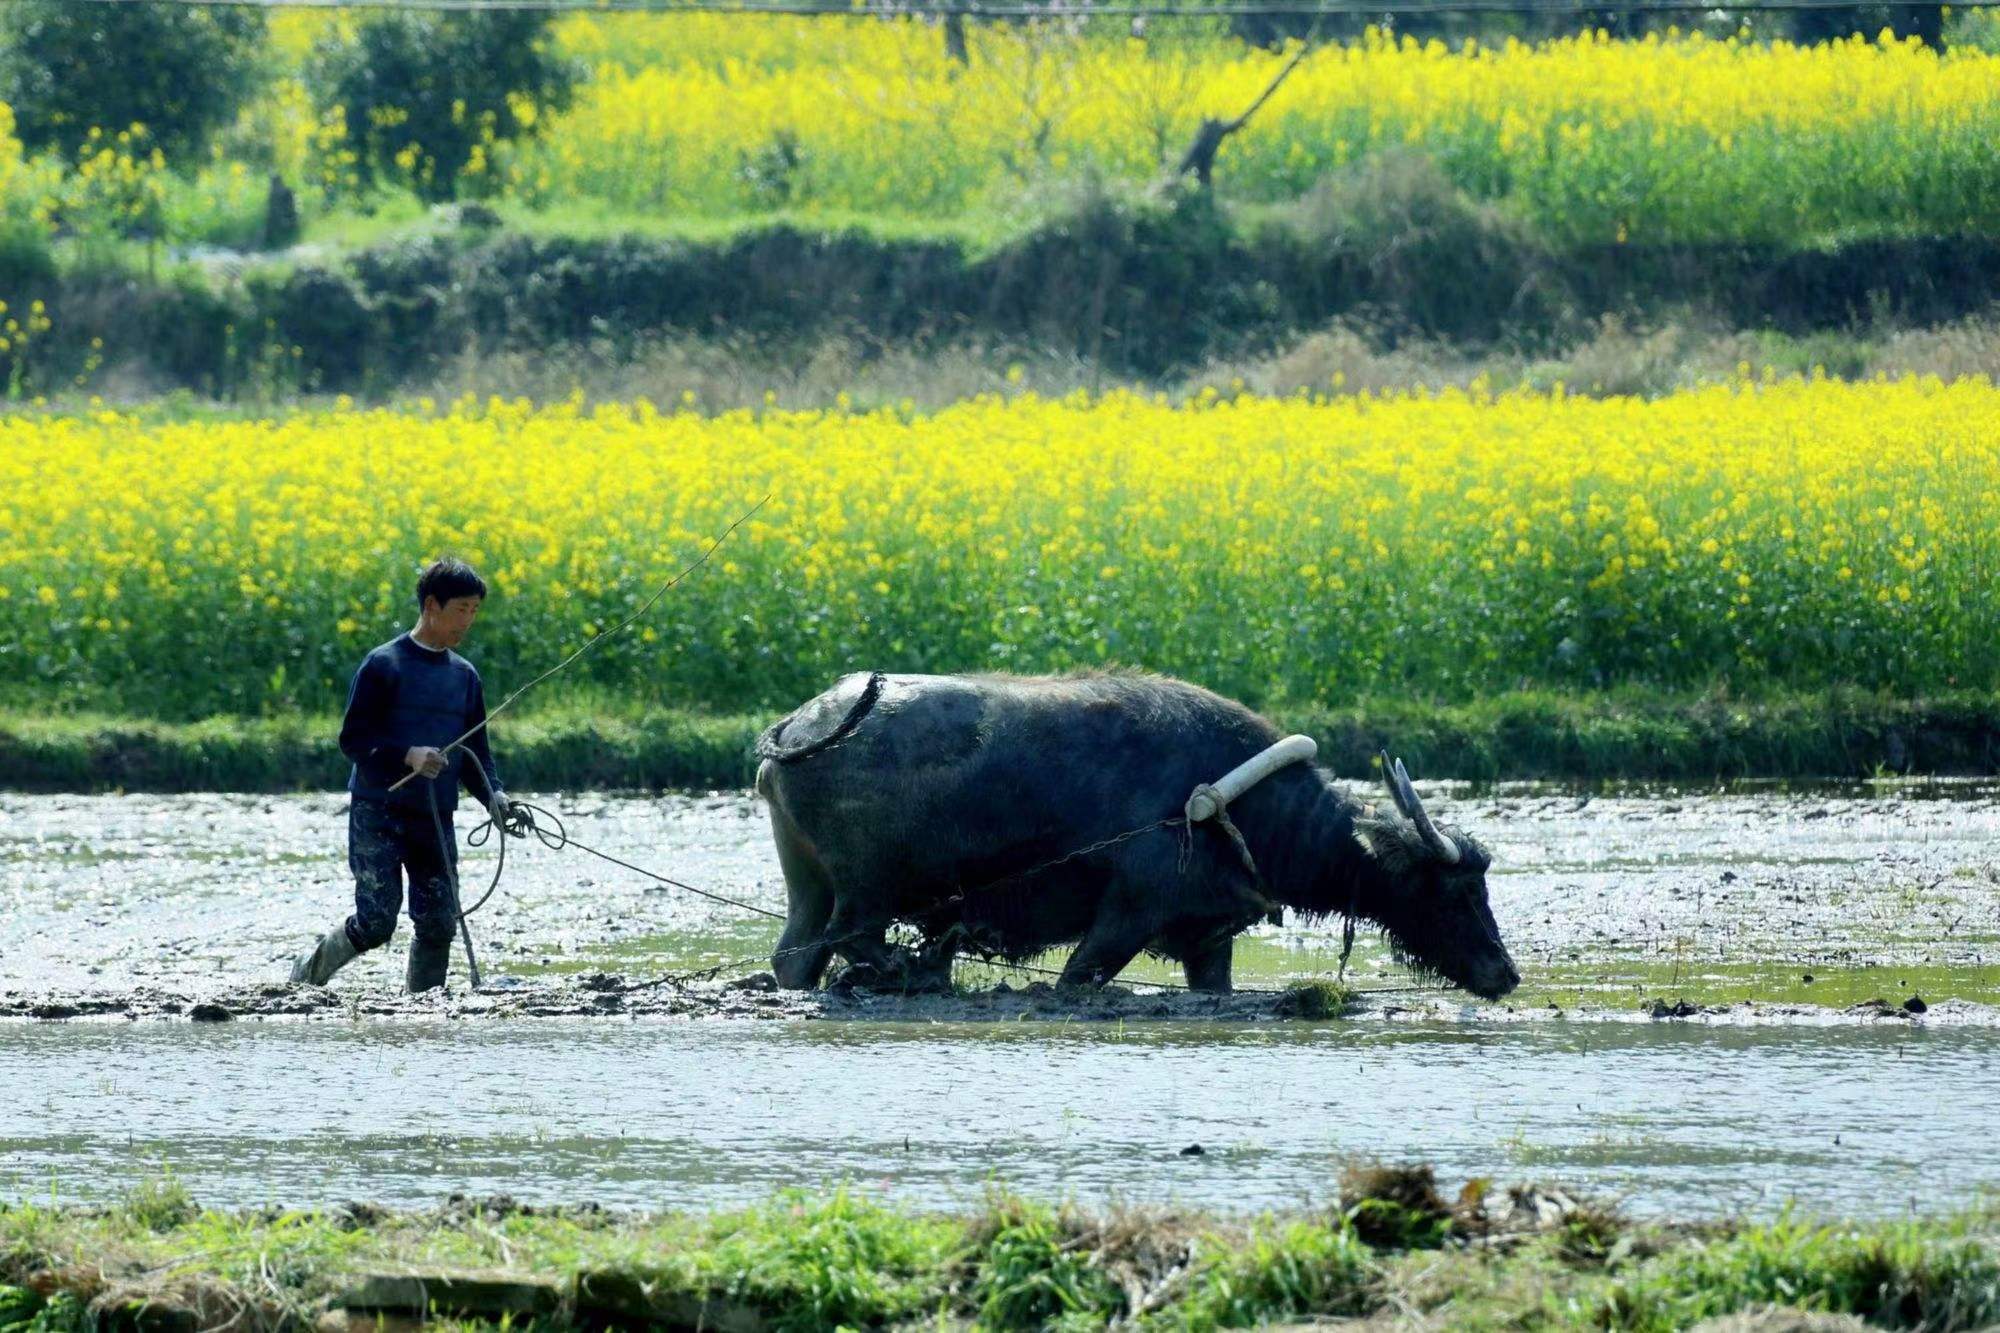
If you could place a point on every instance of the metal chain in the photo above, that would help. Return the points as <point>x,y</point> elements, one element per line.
<point>556,837</point>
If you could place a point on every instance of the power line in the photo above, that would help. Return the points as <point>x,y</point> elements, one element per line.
<point>1008,9</point>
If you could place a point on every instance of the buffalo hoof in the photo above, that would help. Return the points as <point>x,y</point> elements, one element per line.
<point>903,979</point>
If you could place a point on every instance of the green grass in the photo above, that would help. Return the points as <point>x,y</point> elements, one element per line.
<point>554,750</point>
<point>397,217</point>
<point>1452,289</point>
<point>1906,1275</point>
<point>1615,982</point>
<point>839,1259</point>
<point>572,744</point>
<point>1609,982</point>
<point>1037,1269</point>
<point>1317,999</point>
<point>812,1263</point>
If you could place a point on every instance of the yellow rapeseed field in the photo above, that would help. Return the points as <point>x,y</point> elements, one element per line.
<point>1667,139</point>
<point>1281,550</point>
<point>1597,140</point>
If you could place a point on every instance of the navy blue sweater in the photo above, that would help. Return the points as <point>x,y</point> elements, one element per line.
<point>406,695</point>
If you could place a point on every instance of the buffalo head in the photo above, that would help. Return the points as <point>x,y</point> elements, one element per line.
<point>1430,894</point>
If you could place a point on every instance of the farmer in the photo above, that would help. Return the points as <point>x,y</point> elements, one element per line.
<point>411,698</point>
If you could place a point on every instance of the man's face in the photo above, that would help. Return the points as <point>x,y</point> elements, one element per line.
<point>453,619</point>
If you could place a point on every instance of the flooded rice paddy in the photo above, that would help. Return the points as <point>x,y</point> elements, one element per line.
<point>1773,916</point>
<point>1682,1120</point>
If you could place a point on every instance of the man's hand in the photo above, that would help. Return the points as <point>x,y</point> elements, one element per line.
<point>500,808</point>
<point>426,761</point>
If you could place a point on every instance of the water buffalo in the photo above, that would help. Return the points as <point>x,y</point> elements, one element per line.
<point>941,801</point>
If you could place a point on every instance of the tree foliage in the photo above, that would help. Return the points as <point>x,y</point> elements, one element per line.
<point>425,94</point>
<point>180,70</point>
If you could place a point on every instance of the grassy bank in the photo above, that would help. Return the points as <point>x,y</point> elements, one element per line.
<point>1524,735</point>
<point>1146,285</point>
<point>1391,1247</point>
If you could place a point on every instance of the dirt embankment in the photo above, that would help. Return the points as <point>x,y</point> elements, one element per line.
<point>607,995</point>
<point>1391,1250</point>
<point>1139,287</point>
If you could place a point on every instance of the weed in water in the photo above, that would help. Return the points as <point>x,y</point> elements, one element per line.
<point>160,1202</point>
<point>1316,999</point>
<point>1590,1236</point>
<point>1394,1207</point>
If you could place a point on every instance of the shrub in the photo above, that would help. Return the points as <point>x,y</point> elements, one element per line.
<point>1394,231</point>
<point>160,1203</point>
<point>1035,1271</point>
<point>1394,1207</point>
<point>814,1263</point>
<point>1280,1273</point>
<point>179,70</point>
<point>427,96</point>
<point>1902,1276</point>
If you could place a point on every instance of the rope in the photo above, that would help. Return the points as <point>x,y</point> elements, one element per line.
<point>828,942</point>
<point>524,819</point>
<point>596,638</point>
<point>547,827</point>
<point>445,854</point>
<point>714,970</point>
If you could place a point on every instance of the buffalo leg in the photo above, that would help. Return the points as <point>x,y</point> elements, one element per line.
<point>1106,948</point>
<point>931,968</point>
<point>860,937</point>
<point>802,951</point>
<point>1207,964</point>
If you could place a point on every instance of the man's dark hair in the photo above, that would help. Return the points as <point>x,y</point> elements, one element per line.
<point>448,578</point>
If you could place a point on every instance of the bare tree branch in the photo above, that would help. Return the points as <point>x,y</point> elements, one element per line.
<point>1208,136</point>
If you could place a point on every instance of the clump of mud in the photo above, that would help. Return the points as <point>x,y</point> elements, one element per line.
<point>608,995</point>
<point>1316,999</point>
<point>1399,1207</point>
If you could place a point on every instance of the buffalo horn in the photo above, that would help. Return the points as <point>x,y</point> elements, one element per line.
<point>1389,781</point>
<point>1413,806</point>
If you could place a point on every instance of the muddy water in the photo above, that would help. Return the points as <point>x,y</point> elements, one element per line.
<point>1675,1119</point>
<point>1871,892</point>
<point>1804,902</point>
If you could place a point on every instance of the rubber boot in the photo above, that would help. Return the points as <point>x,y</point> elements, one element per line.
<point>429,960</point>
<point>331,954</point>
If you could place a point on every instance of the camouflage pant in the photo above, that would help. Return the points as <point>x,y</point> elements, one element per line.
<point>382,842</point>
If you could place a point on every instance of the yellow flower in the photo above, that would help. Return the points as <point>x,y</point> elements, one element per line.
<point>1246,542</point>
